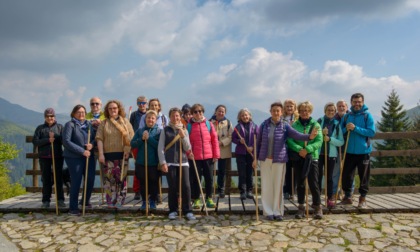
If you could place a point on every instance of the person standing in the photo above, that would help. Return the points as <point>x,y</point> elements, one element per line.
<point>135,121</point>
<point>186,114</point>
<point>78,151</point>
<point>113,139</point>
<point>96,115</point>
<point>359,122</point>
<point>50,132</point>
<point>224,131</point>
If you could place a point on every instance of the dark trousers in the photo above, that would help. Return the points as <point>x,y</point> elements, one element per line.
<point>287,188</point>
<point>244,164</point>
<point>152,181</point>
<point>330,171</point>
<point>221,174</point>
<point>204,168</point>
<point>312,181</point>
<point>362,163</point>
<point>48,179</point>
<point>77,168</point>
<point>173,191</point>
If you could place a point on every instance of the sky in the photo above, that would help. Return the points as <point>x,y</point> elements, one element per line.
<point>242,53</point>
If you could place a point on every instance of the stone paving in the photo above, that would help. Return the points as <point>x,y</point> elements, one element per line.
<point>126,232</point>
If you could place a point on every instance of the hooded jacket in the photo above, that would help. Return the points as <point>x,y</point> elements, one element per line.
<point>204,144</point>
<point>152,145</point>
<point>312,146</point>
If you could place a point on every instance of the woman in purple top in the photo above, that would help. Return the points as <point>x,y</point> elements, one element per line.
<point>272,154</point>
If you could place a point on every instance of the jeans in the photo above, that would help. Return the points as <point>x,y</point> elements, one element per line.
<point>330,171</point>
<point>221,174</point>
<point>204,168</point>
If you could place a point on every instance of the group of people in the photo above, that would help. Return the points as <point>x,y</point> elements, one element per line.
<point>291,148</point>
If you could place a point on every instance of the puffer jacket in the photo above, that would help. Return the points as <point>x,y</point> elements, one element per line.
<point>313,145</point>
<point>41,139</point>
<point>282,132</point>
<point>152,145</point>
<point>359,141</point>
<point>240,127</point>
<point>224,131</point>
<point>204,144</point>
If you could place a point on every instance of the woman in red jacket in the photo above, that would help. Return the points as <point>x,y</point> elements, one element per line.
<point>205,149</point>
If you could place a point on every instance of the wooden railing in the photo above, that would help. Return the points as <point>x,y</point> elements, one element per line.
<point>35,172</point>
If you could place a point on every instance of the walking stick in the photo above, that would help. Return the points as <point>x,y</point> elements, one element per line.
<point>240,137</point>
<point>325,173</point>
<point>214,175</point>
<point>54,174</point>
<point>86,177</point>
<point>293,183</point>
<point>201,189</point>
<point>256,179</point>
<point>342,166</point>
<point>146,170</point>
<point>306,187</point>
<point>180,180</point>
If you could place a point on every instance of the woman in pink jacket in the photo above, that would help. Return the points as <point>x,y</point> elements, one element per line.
<point>205,149</point>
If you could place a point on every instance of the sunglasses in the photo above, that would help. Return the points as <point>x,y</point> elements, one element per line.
<point>94,104</point>
<point>141,103</point>
<point>50,116</point>
<point>198,111</point>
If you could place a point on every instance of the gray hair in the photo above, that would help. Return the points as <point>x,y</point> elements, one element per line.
<point>243,111</point>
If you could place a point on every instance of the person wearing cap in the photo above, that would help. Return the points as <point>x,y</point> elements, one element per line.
<point>95,116</point>
<point>135,121</point>
<point>48,133</point>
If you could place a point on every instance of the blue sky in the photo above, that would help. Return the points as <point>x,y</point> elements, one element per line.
<point>245,53</point>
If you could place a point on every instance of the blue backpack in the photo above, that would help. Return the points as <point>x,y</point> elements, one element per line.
<point>207,124</point>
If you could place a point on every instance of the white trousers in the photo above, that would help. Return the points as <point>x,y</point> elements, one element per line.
<point>272,180</point>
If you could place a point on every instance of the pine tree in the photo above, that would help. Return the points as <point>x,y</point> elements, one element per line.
<point>394,119</point>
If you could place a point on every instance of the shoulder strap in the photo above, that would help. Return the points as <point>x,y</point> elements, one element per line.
<point>228,124</point>
<point>189,128</point>
<point>208,125</point>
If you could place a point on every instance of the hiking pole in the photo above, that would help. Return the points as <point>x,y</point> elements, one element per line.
<point>306,186</point>
<point>214,175</point>
<point>325,171</point>
<point>86,176</point>
<point>180,180</point>
<point>201,189</point>
<point>54,173</point>
<point>240,137</point>
<point>342,166</point>
<point>256,179</point>
<point>146,170</point>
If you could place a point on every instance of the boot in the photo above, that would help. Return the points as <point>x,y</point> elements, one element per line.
<point>301,212</point>
<point>318,212</point>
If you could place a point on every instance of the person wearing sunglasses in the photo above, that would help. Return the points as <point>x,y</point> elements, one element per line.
<point>95,116</point>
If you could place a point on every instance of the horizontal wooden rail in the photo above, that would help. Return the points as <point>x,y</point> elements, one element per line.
<point>402,170</point>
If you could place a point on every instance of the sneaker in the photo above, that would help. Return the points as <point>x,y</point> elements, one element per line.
<point>143,206</point>
<point>61,204</point>
<point>45,205</point>
<point>243,196</point>
<point>286,196</point>
<point>301,212</point>
<point>118,205</point>
<point>152,205</point>
<point>221,193</point>
<point>111,206</point>
<point>362,202</point>
<point>347,201</point>
<point>249,195</point>
<point>318,212</point>
<point>269,217</point>
<point>190,216</point>
<point>197,204</point>
<point>137,196</point>
<point>278,217</point>
<point>330,204</point>
<point>88,205</point>
<point>210,203</point>
<point>173,215</point>
<point>74,213</point>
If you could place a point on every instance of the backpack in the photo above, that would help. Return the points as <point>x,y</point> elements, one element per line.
<point>207,124</point>
<point>336,125</point>
<point>365,115</point>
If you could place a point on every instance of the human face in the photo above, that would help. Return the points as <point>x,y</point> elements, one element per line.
<point>175,117</point>
<point>341,108</point>
<point>220,113</point>
<point>187,116</point>
<point>198,114</point>
<point>289,108</point>
<point>150,120</point>
<point>330,112</point>
<point>142,104</point>
<point>357,103</point>
<point>95,105</point>
<point>245,117</point>
<point>276,113</point>
<point>113,110</point>
<point>80,114</point>
<point>50,119</point>
<point>154,105</point>
<point>305,113</point>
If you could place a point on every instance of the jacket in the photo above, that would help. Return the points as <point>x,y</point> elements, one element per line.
<point>335,134</point>
<point>75,139</point>
<point>152,145</point>
<point>313,145</point>
<point>240,127</point>
<point>282,132</point>
<point>224,131</point>
<point>359,141</point>
<point>112,138</point>
<point>204,144</point>
<point>41,140</point>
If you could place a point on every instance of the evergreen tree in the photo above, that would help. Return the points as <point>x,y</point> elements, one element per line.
<point>394,119</point>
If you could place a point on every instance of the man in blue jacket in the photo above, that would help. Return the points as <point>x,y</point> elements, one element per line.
<point>359,122</point>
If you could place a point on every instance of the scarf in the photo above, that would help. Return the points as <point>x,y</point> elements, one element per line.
<point>178,126</point>
<point>122,127</point>
<point>83,126</point>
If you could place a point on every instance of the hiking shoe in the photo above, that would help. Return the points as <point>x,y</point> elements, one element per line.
<point>88,205</point>
<point>210,203</point>
<point>190,216</point>
<point>111,206</point>
<point>362,202</point>
<point>74,213</point>
<point>152,205</point>
<point>173,215</point>
<point>347,201</point>
<point>278,217</point>
<point>330,204</point>
<point>249,195</point>
<point>286,196</point>
<point>118,205</point>
<point>61,204</point>
<point>197,204</point>
<point>269,217</point>
<point>143,206</point>
<point>137,196</point>
<point>45,205</point>
<point>318,212</point>
<point>243,196</point>
<point>301,212</point>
